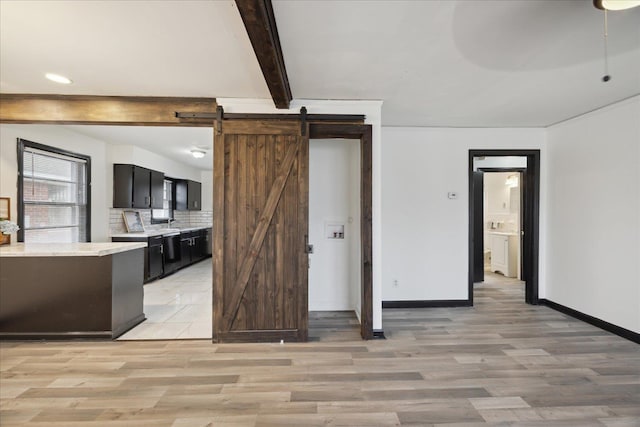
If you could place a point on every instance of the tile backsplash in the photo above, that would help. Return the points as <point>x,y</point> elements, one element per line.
<point>182,219</point>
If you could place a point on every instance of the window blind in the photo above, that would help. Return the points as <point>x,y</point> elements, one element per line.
<point>55,196</point>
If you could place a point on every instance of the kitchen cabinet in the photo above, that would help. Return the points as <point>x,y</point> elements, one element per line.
<point>192,246</point>
<point>155,261</point>
<point>171,250</point>
<point>188,195</point>
<point>153,254</point>
<point>157,189</point>
<point>504,253</point>
<point>185,249</point>
<point>137,187</point>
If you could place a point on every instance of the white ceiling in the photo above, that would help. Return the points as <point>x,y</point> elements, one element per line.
<point>140,48</point>
<point>432,63</point>
<point>174,143</point>
<point>461,63</point>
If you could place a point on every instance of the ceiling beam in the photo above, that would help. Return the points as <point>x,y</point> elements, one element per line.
<point>260,23</point>
<point>103,110</point>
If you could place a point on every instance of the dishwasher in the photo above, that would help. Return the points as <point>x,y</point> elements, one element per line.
<point>172,256</point>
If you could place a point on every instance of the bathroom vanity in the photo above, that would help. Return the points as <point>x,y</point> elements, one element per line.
<point>504,253</point>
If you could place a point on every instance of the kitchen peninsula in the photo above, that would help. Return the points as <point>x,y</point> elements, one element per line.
<point>70,290</point>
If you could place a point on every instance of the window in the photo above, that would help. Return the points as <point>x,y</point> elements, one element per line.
<point>166,213</point>
<point>54,192</point>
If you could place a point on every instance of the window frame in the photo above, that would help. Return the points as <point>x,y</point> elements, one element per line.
<point>22,144</point>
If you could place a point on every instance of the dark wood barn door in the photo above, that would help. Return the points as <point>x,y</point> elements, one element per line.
<point>260,277</point>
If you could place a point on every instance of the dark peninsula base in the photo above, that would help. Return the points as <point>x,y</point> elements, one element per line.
<point>68,297</point>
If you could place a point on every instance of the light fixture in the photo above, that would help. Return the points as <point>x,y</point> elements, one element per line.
<point>512,181</point>
<point>198,154</point>
<point>616,4</point>
<point>58,78</point>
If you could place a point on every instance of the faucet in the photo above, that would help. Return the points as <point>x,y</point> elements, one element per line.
<point>169,221</point>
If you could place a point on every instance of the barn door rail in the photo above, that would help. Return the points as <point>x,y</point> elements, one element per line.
<point>220,116</point>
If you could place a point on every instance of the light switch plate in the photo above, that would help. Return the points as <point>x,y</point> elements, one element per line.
<point>452,195</point>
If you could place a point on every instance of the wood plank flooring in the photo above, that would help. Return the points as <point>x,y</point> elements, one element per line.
<point>499,363</point>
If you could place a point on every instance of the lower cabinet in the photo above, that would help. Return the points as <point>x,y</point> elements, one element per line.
<point>185,249</point>
<point>193,246</point>
<point>153,255</point>
<point>155,261</point>
<point>165,254</point>
<point>504,254</point>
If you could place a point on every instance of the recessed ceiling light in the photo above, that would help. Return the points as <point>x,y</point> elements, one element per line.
<point>198,154</point>
<point>616,4</point>
<point>58,78</point>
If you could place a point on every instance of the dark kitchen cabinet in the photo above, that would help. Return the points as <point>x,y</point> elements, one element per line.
<point>157,189</point>
<point>153,254</point>
<point>186,243</point>
<point>188,195</point>
<point>155,262</point>
<point>137,187</point>
<point>193,246</point>
<point>141,188</point>
<point>166,253</point>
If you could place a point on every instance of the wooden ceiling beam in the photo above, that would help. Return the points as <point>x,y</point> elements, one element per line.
<point>103,110</point>
<point>260,24</point>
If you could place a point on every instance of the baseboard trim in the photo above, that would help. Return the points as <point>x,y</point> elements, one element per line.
<point>609,327</point>
<point>427,303</point>
<point>64,336</point>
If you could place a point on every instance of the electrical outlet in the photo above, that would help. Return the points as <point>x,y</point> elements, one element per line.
<point>395,283</point>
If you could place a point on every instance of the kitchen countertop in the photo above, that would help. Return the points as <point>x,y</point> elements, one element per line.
<point>67,249</point>
<point>159,232</point>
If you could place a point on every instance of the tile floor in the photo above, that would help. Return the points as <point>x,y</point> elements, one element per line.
<point>177,306</point>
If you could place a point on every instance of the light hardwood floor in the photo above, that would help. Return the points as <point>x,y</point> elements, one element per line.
<point>499,363</point>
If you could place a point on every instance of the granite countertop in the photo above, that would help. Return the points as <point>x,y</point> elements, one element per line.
<point>503,233</point>
<point>67,249</point>
<point>159,232</point>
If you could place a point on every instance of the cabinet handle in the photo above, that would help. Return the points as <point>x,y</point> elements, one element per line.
<point>162,249</point>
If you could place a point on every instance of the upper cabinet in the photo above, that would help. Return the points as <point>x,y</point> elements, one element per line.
<point>188,195</point>
<point>137,187</point>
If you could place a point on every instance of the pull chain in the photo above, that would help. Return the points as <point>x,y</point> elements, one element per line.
<point>606,76</point>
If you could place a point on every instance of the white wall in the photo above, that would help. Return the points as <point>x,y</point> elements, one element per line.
<point>58,136</point>
<point>425,234</point>
<point>594,214</point>
<point>332,190</point>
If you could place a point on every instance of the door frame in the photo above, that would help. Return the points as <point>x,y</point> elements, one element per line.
<point>363,133</point>
<point>530,224</point>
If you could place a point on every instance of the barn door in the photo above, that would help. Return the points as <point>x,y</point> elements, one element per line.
<point>260,230</point>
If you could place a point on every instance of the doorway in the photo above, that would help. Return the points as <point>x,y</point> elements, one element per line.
<point>523,166</point>
<point>334,232</point>
<point>87,110</point>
